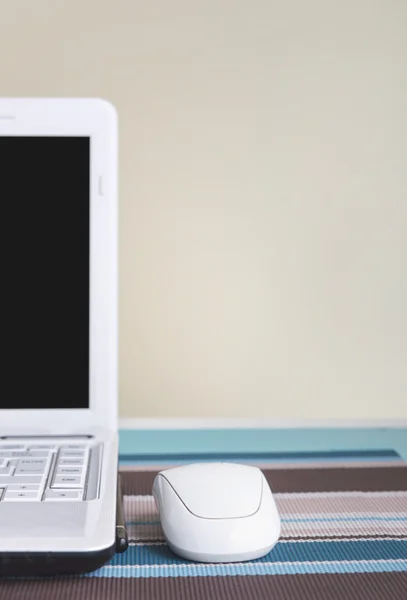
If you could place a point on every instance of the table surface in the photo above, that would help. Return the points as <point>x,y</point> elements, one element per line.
<point>303,567</point>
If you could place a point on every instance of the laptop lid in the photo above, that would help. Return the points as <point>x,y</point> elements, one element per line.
<point>58,264</point>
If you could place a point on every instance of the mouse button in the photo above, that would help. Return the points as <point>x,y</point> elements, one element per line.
<point>217,490</point>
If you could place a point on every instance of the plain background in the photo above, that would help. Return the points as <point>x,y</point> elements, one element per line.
<point>263,209</point>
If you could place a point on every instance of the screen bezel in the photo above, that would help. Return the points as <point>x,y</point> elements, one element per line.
<point>97,120</point>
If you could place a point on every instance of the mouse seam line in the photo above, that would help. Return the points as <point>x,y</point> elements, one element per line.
<point>214,518</point>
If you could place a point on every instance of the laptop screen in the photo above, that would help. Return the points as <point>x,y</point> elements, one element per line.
<point>44,268</point>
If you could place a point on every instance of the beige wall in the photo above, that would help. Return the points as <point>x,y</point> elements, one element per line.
<point>263,194</point>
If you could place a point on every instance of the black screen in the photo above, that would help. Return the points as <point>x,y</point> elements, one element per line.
<point>44,269</point>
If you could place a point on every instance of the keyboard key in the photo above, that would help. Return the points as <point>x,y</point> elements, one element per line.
<point>19,496</point>
<point>23,487</point>
<point>18,454</point>
<point>73,447</point>
<point>60,495</point>
<point>6,471</point>
<point>70,462</point>
<point>50,448</point>
<point>67,481</point>
<point>69,470</point>
<point>37,454</point>
<point>31,468</point>
<point>11,453</point>
<point>32,463</point>
<point>11,479</point>
<point>3,463</point>
<point>73,453</point>
<point>12,447</point>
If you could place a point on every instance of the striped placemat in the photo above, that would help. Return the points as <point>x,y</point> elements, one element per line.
<point>344,536</point>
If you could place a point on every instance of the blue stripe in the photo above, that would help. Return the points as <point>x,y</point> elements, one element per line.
<point>142,442</point>
<point>266,456</point>
<point>354,550</point>
<point>257,568</point>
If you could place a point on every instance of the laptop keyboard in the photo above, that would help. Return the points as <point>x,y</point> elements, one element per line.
<point>43,473</point>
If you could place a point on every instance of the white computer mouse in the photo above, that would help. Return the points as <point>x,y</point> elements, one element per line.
<point>217,512</point>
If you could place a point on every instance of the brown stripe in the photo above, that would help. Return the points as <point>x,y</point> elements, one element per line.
<point>372,479</point>
<point>338,480</point>
<point>361,586</point>
<point>137,484</point>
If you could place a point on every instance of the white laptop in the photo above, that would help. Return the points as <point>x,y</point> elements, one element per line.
<point>58,402</point>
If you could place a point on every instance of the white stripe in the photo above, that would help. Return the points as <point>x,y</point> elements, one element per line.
<point>191,423</point>
<point>133,543</point>
<point>276,564</point>
<point>357,494</point>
